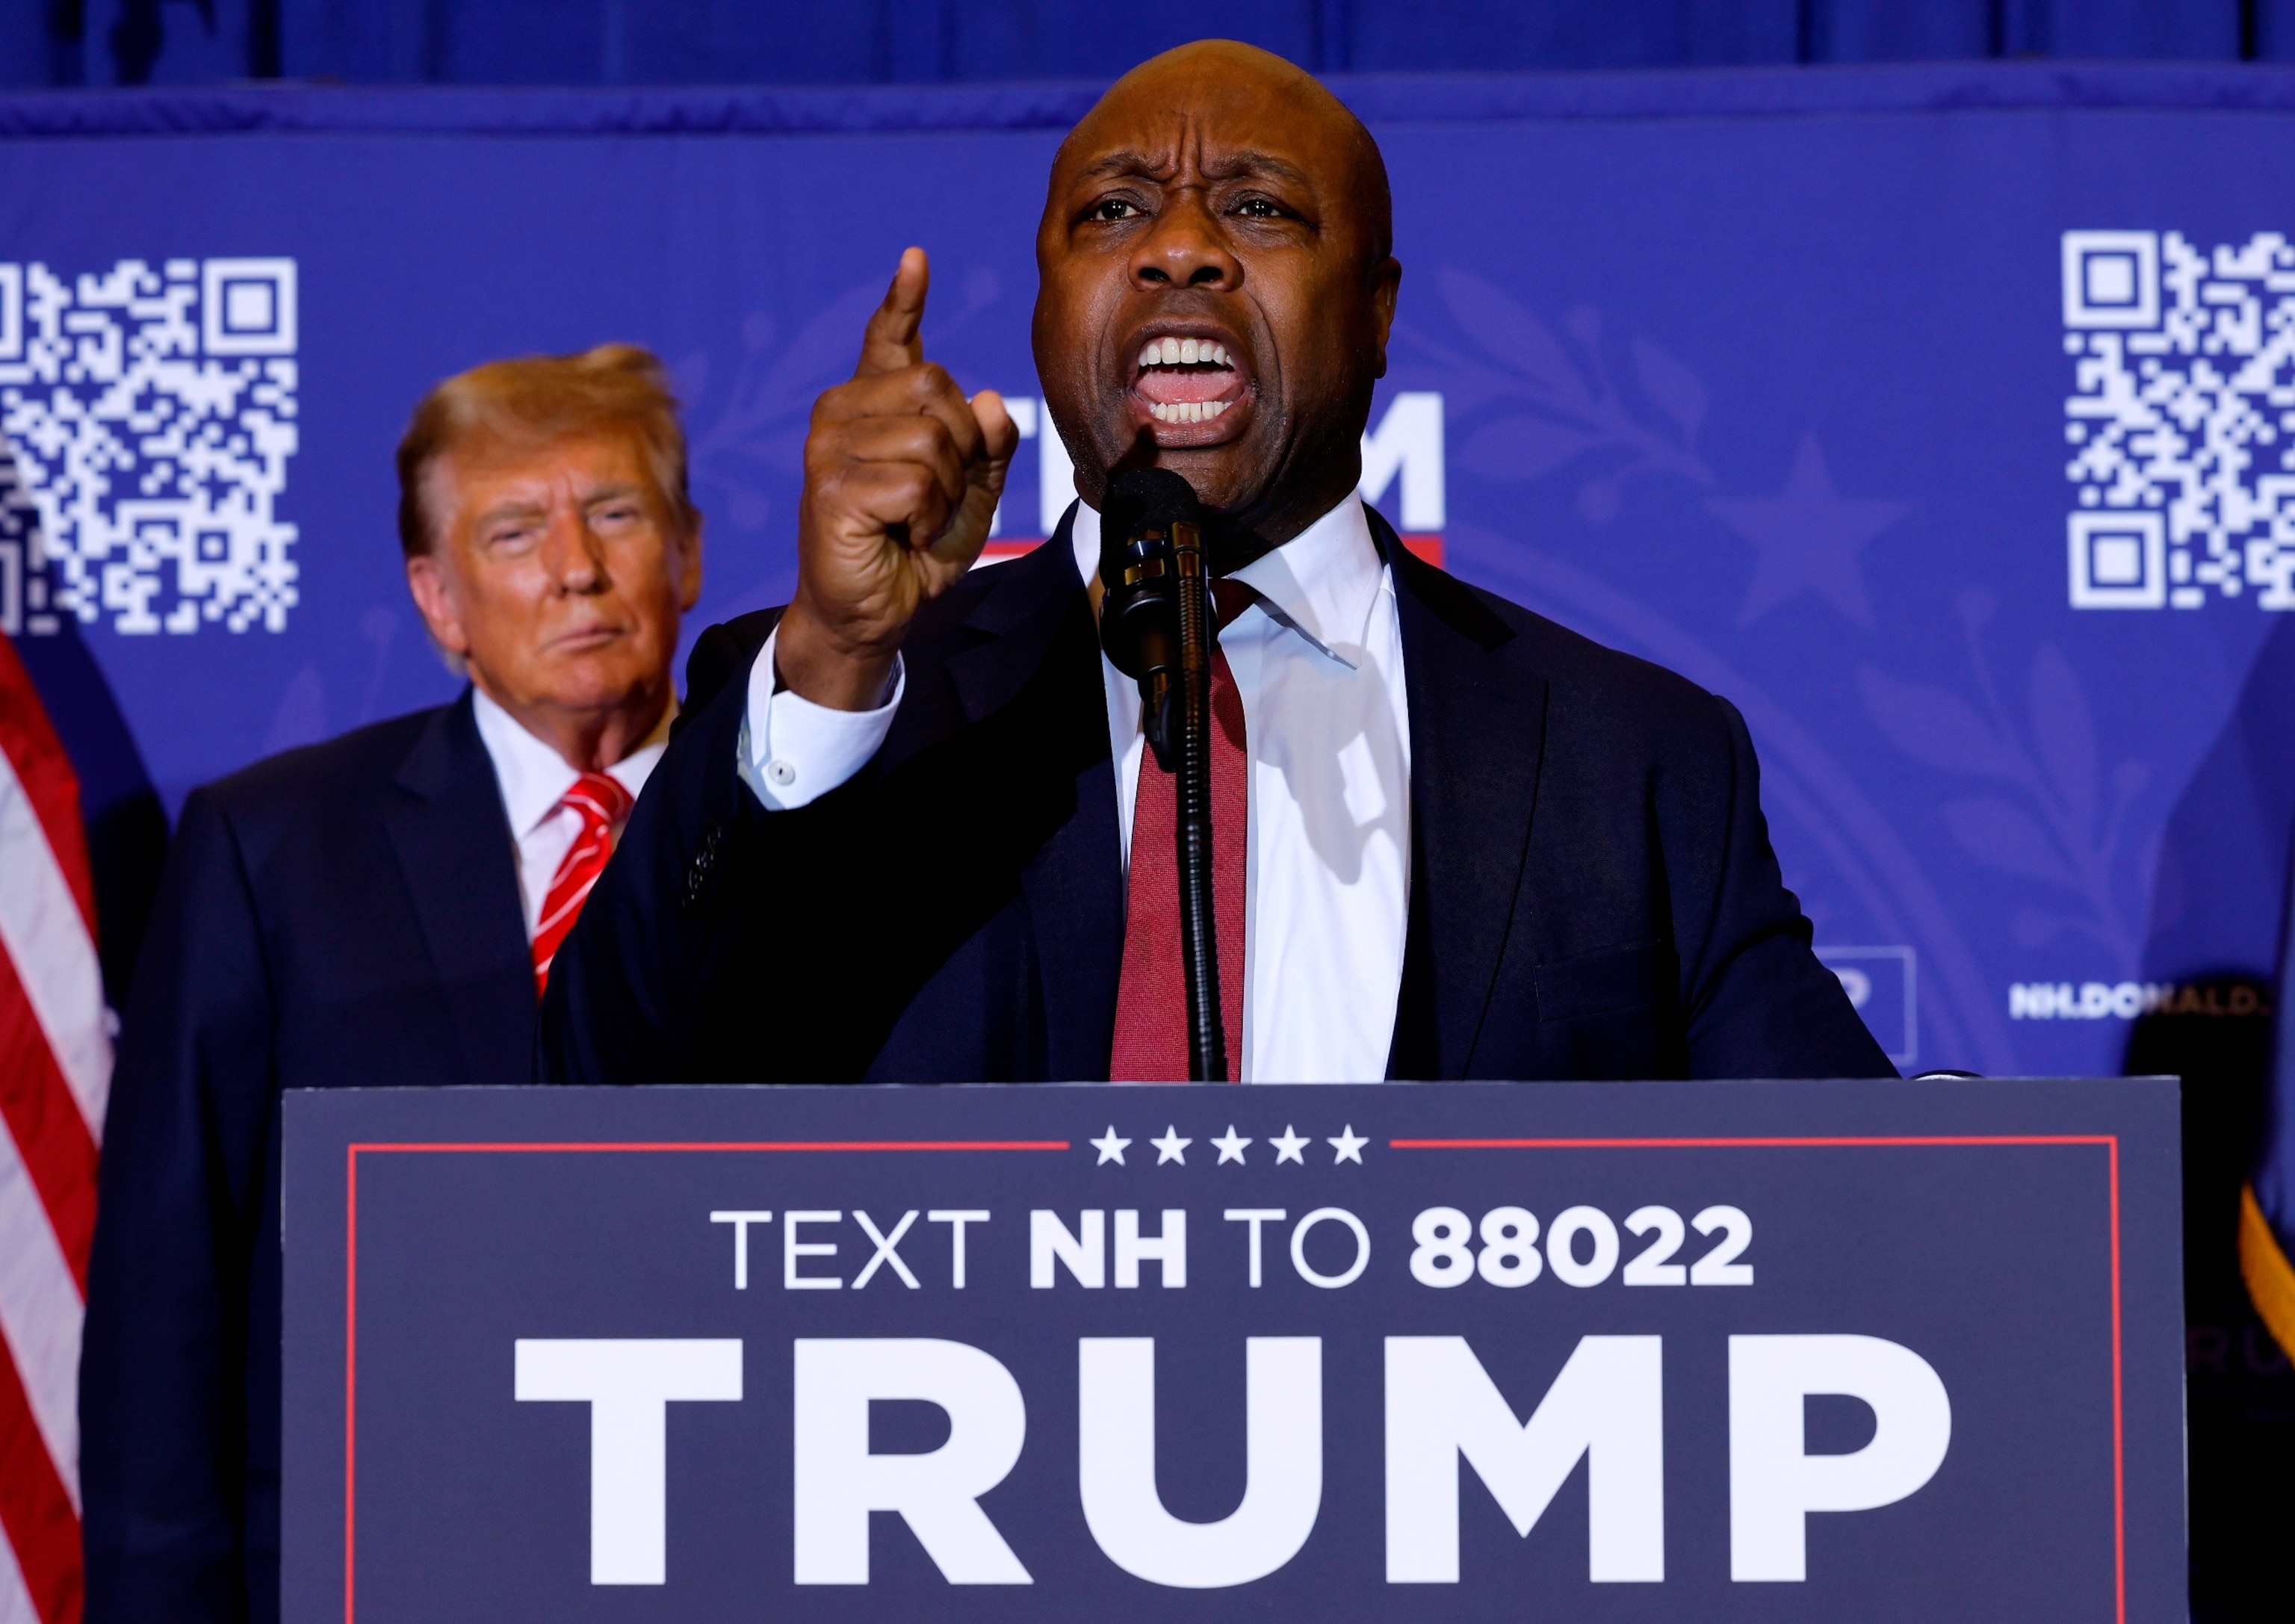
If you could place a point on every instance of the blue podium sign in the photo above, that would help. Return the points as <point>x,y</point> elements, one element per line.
<point>1666,1351</point>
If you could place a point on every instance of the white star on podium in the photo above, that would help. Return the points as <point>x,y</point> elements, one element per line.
<point>1110,1147</point>
<point>1171,1147</point>
<point>1349,1146</point>
<point>1291,1147</point>
<point>1230,1148</point>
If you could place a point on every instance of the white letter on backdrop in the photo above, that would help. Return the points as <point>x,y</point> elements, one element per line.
<point>629,1384</point>
<point>1773,1484</point>
<point>1609,1402</point>
<point>839,1483</point>
<point>1408,441</point>
<point>1085,1255</point>
<point>1168,1251</point>
<point>1283,1473</point>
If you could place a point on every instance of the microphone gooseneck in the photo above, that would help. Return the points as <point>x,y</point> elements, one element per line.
<point>1156,623</point>
<point>1139,600</point>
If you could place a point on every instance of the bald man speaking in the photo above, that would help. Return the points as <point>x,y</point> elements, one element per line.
<point>913,835</point>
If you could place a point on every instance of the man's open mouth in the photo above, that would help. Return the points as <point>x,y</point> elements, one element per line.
<point>1187,380</point>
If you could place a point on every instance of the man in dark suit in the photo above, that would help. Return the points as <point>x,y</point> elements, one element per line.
<point>895,840</point>
<point>373,911</point>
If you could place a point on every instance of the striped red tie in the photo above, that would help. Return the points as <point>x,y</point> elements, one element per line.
<point>1151,1007</point>
<point>601,803</point>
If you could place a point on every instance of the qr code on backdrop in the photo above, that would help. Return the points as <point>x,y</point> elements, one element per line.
<point>147,414</point>
<point>2182,420</point>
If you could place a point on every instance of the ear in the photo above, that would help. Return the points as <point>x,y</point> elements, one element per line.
<point>431,581</point>
<point>1387,287</point>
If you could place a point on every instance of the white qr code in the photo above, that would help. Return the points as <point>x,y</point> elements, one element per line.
<point>147,414</point>
<point>2182,420</point>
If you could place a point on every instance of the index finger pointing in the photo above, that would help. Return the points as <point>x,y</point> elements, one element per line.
<point>890,341</point>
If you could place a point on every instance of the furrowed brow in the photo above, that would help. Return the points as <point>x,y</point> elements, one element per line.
<point>1117,165</point>
<point>1242,166</point>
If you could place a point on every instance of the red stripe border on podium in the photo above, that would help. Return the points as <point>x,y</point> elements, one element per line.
<point>541,1148</point>
<point>2109,1141</point>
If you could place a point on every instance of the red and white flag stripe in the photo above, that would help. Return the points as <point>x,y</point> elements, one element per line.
<point>55,1071</point>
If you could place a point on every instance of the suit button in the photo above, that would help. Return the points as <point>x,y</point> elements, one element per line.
<point>780,773</point>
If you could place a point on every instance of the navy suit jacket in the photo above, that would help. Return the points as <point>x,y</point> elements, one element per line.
<point>1593,894</point>
<point>342,916</point>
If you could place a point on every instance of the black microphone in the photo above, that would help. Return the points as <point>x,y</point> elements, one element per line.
<point>1156,623</point>
<point>1140,601</point>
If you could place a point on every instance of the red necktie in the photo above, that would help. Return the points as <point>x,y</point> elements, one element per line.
<point>601,802</point>
<point>1151,1007</point>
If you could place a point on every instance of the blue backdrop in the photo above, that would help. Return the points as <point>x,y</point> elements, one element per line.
<point>1934,416</point>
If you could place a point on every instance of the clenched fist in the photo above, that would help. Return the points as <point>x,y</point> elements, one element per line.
<point>902,475</point>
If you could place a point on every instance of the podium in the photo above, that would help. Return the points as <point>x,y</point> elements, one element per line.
<point>1775,1351</point>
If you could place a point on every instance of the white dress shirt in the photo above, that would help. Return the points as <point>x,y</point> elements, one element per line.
<point>1317,662</point>
<point>533,779</point>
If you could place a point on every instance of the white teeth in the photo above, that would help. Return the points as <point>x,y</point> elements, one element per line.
<point>1188,410</point>
<point>1184,352</point>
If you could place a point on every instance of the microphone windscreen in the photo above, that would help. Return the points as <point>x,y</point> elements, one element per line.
<point>1140,499</point>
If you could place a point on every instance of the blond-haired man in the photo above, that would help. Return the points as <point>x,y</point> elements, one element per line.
<point>379,909</point>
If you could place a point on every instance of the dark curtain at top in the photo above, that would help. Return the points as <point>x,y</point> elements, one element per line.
<point>688,42</point>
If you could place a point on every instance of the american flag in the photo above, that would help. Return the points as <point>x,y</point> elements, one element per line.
<point>56,1069</point>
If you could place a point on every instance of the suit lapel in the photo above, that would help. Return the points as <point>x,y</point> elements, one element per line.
<point>1013,624</point>
<point>1477,736</point>
<point>455,852</point>
<point>1074,889</point>
<point>1013,628</point>
<point>1074,885</point>
<point>972,650</point>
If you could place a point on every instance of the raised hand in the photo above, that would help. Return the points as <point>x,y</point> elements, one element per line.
<point>902,475</point>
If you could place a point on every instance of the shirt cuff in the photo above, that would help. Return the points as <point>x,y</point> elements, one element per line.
<point>793,751</point>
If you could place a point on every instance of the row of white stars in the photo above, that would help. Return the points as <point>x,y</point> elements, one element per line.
<point>1291,1147</point>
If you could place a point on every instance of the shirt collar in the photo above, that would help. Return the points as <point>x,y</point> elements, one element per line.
<point>533,777</point>
<point>1322,583</point>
